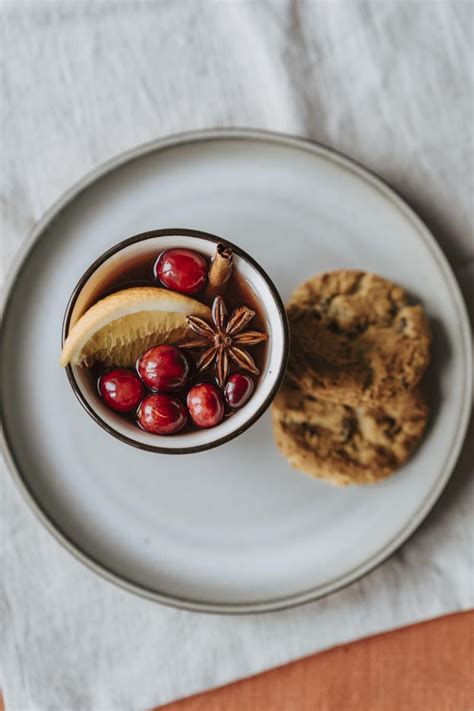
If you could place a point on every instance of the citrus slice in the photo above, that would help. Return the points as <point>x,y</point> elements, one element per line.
<point>117,329</point>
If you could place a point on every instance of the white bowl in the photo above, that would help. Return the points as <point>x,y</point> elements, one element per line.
<point>100,276</point>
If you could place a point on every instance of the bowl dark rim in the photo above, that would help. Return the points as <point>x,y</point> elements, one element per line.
<point>170,232</point>
<point>409,527</point>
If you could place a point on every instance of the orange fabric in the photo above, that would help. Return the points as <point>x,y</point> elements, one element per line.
<point>425,667</point>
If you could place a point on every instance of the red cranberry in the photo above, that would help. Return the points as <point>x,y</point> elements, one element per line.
<point>238,390</point>
<point>121,389</point>
<point>164,368</point>
<point>181,270</point>
<point>205,405</point>
<point>161,414</point>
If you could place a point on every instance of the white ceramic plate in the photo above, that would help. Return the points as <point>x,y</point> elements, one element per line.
<point>233,529</point>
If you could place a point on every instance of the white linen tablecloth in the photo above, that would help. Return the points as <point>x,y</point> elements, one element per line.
<point>390,84</point>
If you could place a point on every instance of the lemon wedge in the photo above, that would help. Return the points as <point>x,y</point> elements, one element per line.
<point>117,329</point>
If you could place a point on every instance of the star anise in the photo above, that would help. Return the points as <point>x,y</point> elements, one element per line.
<point>223,340</point>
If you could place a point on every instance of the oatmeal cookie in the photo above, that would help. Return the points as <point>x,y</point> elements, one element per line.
<point>355,339</point>
<point>345,445</point>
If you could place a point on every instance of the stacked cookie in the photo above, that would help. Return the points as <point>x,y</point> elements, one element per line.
<point>350,410</point>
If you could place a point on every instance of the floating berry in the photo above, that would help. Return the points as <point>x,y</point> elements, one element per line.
<point>205,405</point>
<point>238,390</point>
<point>161,414</point>
<point>182,270</point>
<point>121,389</point>
<point>164,368</point>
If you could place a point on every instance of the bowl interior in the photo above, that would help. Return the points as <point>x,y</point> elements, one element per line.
<point>125,260</point>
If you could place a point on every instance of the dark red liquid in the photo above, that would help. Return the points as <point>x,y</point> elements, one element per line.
<point>237,293</point>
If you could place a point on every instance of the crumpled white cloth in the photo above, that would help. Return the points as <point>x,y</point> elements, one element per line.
<point>390,84</point>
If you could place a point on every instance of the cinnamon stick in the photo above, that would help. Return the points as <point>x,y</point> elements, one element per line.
<point>220,271</point>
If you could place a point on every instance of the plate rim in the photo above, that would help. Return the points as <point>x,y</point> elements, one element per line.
<point>315,148</point>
